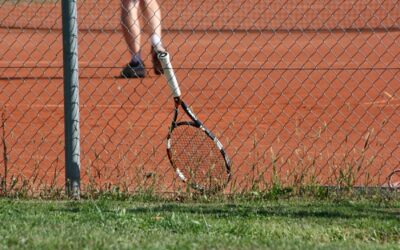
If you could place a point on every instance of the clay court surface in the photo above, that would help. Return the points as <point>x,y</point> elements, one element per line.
<point>311,103</point>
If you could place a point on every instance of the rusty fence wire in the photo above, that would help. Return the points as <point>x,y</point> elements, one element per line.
<point>300,92</point>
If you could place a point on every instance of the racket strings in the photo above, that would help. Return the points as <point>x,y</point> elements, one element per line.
<point>197,157</point>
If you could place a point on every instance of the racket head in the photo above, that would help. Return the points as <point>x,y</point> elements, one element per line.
<point>198,157</point>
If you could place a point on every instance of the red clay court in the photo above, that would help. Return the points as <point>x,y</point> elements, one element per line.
<point>308,93</point>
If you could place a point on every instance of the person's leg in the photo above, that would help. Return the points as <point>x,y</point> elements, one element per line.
<point>152,13</point>
<point>131,30</point>
<point>130,24</point>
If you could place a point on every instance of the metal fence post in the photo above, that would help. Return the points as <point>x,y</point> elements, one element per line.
<point>71,97</point>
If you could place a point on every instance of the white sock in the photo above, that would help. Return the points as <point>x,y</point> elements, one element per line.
<point>155,40</point>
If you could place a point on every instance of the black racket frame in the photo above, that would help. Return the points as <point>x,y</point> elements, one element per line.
<point>195,122</point>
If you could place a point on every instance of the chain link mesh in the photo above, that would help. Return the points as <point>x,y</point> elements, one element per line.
<point>300,92</point>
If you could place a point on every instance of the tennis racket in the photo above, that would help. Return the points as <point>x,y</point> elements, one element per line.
<point>195,153</point>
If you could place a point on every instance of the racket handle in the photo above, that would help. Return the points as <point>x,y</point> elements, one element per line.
<point>169,73</point>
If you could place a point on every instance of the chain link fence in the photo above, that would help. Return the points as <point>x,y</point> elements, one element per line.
<point>300,92</point>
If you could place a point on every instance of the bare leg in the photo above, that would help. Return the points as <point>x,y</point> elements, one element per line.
<point>152,13</point>
<point>131,29</point>
<point>130,24</point>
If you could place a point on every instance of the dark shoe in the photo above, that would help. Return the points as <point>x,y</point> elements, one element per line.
<point>134,71</point>
<point>158,70</point>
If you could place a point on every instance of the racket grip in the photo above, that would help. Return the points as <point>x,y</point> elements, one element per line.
<point>169,73</point>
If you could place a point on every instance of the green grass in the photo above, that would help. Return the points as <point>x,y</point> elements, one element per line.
<point>134,224</point>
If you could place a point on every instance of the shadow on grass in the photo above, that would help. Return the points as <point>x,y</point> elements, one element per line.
<point>294,211</point>
<point>324,210</point>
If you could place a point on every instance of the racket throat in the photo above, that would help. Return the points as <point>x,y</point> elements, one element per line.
<point>177,101</point>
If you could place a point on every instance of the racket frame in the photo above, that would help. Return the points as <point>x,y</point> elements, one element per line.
<point>195,122</point>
